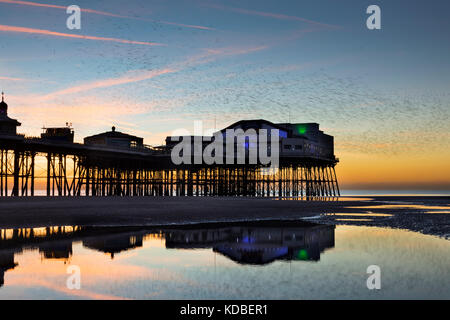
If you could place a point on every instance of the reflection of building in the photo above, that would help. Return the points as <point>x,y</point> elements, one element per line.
<point>61,250</point>
<point>115,243</point>
<point>246,243</point>
<point>6,263</point>
<point>258,243</point>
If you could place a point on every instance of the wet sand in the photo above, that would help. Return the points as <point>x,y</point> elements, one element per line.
<point>406,212</point>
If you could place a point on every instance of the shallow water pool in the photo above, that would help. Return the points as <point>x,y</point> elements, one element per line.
<point>266,260</point>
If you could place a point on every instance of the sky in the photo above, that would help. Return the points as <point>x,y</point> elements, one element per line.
<point>151,67</point>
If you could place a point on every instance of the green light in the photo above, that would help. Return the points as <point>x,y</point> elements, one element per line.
<point>301,129</point>
<point>302,255</point>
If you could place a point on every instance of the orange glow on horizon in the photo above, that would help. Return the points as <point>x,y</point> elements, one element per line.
<point>413,170</point>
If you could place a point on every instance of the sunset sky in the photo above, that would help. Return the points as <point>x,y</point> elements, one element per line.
<point>150,67</point>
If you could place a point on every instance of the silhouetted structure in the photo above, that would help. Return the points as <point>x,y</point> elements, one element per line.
<point>58,134</point>
<point>115,139</point>
<point>118,164</point>
<point>8,126</point>
<point>296,139</point>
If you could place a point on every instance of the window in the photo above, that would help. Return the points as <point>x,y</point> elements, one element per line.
<point>298,147</point>
<point>287,147</point>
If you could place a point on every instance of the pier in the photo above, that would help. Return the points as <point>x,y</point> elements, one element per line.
<point>118,164</point>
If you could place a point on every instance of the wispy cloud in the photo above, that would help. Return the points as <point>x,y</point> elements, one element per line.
<point>206,56</point>
<point>103,13</point>
<point>178,24</point>
<point>54,6</point>
<point>5,28</point>
<point>127,78</point>
<point>12,79</point>
<point>278,16</point>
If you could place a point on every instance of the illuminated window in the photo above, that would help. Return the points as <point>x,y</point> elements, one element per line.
<point>301,129</point>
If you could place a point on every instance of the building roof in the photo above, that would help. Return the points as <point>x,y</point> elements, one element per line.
<point>6,119</point>
<point>4,113</point>
<point>300,123</point>
<point>115,134</point>
<point>257,122</point>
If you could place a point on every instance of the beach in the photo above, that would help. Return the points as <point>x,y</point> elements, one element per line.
<point>425,214</point>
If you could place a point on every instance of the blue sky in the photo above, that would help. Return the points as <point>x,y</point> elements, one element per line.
<point>376,91</point>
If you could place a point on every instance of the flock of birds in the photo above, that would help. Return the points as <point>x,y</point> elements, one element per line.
<point>366,118</point>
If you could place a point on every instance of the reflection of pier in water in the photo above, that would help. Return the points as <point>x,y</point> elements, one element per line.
<point>246,243</point>
<point>55,242</point>
<point>257,243</point>
<point>52,242</point>
<point>6,263</point>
